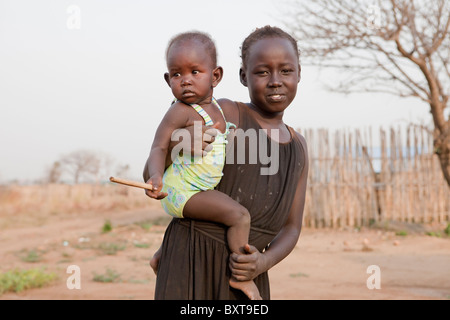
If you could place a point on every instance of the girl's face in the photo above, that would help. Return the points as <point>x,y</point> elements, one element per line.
<point>272,74</point>
<point>191,75</point>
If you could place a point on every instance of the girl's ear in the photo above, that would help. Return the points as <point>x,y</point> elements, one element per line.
<point>299,73</point>
<point>217,76</point>
<point>243,77</point>
<point>167,78</point>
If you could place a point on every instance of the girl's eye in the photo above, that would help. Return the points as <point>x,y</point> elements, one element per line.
<point>287,71</point>
<point>262,73</point>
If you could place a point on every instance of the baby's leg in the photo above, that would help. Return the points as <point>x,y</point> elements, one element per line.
<point>217,207</point>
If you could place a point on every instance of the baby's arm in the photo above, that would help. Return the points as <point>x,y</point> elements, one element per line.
<point>175,118</point>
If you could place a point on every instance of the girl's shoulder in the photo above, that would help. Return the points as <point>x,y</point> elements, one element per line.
<point>300,137</point>
<point>302,141</point>
<point>230,110</point>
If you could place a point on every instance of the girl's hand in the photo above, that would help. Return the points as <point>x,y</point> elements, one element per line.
<point>246,267</point>
<point>204,139</point>
<point>154,261</point>
<point>156,182</point>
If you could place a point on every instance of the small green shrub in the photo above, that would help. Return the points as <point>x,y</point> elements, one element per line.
<point>109,276</point>
<point>436,234</point>
<point>158,221</point>
<point>141,245</point>
<point>32,255</point>
<point>107,227</point>
<point>18,280</point>
<point>144,225</point>
<point>447,230</point>
<point>298,275</point>
<point>111,248</point>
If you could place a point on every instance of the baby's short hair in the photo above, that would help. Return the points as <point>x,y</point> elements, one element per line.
<point>263,33</point>
<point>202,37</point>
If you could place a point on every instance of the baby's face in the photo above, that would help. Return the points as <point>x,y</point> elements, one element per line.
<point>190,72</point>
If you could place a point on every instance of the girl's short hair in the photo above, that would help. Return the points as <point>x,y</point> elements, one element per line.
<point>202,37</point>
<point>263,33</point>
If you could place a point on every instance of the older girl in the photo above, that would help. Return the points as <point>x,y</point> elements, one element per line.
<point>194,261</point>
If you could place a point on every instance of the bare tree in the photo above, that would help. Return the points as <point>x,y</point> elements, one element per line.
<point>399,47</point>
<point>86,164</point>
<point>81,163</point>
<point>106,163</point>
<point>123,170</point>
<point>54,173</point>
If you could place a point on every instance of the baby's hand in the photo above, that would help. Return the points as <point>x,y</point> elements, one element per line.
<point>157,184</point>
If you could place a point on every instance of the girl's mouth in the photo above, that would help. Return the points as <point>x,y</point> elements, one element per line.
<point>276,97</point>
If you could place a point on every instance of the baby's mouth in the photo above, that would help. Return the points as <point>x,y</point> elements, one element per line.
<point>188,94</point>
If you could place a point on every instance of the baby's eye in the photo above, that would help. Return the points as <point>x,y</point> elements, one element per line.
<point>195,72</point>
<point>176,74</point>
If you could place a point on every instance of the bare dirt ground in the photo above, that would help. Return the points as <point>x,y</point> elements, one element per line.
<point>326,264</point>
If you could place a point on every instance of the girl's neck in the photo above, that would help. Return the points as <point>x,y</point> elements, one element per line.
<point>273,119</point>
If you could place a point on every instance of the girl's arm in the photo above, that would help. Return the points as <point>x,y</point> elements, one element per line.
<point>249,266</point>
<point>175,118</point>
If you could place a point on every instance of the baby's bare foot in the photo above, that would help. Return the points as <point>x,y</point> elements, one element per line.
<point>248,287</point>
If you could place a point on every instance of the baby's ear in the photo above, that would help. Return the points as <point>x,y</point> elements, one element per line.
<point>167,78</point>
<point>217,76</point>
<point>243,77</point>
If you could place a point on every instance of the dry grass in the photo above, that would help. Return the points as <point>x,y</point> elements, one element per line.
<point>33,205</point>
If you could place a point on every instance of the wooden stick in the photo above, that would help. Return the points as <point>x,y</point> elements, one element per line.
<point>132,183</point>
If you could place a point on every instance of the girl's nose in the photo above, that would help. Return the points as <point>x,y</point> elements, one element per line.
<point>275,81</point>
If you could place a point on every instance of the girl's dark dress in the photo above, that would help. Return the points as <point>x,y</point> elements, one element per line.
<point>194,261</point>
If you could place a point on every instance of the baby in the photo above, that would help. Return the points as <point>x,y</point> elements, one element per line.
<point>186,187</point>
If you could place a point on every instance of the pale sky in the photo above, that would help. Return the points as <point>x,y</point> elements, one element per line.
<point>98,85</point>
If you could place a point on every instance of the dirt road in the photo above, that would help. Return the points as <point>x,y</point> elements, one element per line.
<point>326,264</point>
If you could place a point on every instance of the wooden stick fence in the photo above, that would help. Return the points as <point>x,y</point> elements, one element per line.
<point>354,182</point>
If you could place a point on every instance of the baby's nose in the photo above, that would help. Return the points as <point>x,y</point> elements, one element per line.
<point>186,81</point>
